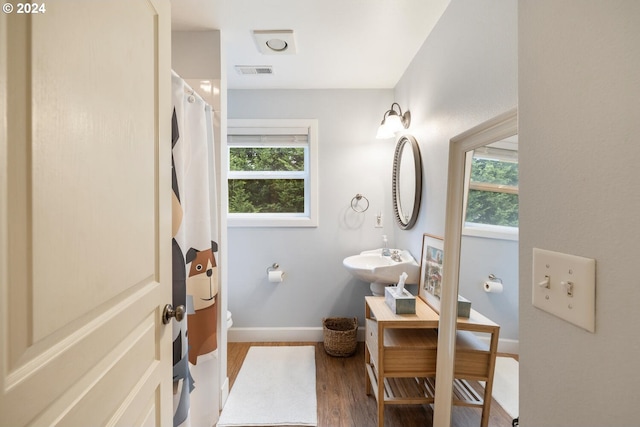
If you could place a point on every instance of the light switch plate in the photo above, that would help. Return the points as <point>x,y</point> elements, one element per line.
<point>565,286</point>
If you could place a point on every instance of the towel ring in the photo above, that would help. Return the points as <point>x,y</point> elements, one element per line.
<point>356,200</point>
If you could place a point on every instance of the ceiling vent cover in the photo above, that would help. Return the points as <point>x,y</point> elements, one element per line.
<point>254,69</point>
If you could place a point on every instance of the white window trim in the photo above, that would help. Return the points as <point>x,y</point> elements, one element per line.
<point>309,219</point>
<point>483,230</point>
<point>490,231</point>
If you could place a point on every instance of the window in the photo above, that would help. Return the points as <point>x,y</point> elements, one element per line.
<point>491,191</point>
<point>272,173</point>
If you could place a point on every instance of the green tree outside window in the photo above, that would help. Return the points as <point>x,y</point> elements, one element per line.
<point>270,191</point>
<point>493,193</point>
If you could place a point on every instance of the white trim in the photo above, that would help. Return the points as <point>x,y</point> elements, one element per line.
<point>490,131</point>
<point>490,231</point>
<point>276,334</point>
<point>255,127</point>
<point>266,175</point>
<point>234,221</point>
<point>315,334</point>
<point>310,218</point>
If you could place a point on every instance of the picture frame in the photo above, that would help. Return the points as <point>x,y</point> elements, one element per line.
<point>431,259</point>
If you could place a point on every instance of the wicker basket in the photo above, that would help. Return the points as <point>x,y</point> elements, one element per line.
<point>340,335</point>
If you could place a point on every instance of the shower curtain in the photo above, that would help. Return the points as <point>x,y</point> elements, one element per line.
<point>195,247</point>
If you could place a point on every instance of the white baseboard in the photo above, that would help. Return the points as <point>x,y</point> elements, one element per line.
<point>311,334</point>
<point>315,334</point>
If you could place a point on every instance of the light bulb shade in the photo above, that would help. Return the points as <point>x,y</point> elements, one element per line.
<point>384,132</point>
<point>393,122</point>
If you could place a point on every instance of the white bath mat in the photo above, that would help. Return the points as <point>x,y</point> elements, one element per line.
<point>276,386</point>
<point>505,385</point>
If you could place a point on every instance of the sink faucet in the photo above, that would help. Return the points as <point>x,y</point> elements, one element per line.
<point>395,255</point>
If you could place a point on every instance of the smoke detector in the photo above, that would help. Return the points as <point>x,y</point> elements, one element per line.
<point>275,42</point>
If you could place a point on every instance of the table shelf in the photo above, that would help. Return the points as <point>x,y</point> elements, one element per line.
<point>401,353</point>
<point>416,390</point>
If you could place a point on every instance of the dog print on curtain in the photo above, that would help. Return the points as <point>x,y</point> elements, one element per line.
<point>195,275</point>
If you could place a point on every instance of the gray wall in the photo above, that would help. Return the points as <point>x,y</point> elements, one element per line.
<point>351,161</point>
<point>579,86</point>
<point>464,74</point>
<point>479,258</point>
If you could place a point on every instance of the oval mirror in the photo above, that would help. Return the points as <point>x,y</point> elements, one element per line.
<point>407,181</point>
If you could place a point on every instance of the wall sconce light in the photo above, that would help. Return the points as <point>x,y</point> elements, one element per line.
<point>393,121</point>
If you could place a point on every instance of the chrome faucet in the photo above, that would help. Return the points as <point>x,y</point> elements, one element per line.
<point>395,255</point>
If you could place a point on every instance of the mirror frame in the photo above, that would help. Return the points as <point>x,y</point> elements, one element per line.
<point>395,185</point>
<point>493,130</point>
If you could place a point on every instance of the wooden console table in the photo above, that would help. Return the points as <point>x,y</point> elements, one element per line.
<point>400,357</point>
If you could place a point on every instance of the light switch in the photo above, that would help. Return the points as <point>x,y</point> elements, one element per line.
<point>565,286</point>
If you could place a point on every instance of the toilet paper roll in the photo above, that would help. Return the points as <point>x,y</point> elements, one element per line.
<point>492,286</point>
<point>276,276</point>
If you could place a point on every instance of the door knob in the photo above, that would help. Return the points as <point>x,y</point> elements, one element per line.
<point>170,312</point>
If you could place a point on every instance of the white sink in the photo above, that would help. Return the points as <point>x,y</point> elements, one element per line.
<point>381,271</point>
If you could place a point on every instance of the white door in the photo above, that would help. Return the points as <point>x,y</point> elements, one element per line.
<point>85,213</point>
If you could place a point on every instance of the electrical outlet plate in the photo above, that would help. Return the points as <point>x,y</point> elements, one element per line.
<point>378,219</point>
<point>565,286</point>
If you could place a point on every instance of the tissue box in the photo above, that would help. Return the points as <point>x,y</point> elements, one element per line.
<point>464,307</point>
<point>404,303</point>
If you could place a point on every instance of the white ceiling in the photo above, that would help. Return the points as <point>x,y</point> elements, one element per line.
<point>340,43</point>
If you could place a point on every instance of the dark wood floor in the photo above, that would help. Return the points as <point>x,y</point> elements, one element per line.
<point>342,401</point>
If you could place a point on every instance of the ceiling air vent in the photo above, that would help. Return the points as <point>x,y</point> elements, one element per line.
<point>254,69</point>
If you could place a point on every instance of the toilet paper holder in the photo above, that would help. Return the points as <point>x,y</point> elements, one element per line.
<point>274,275</point>
<point>493,285</point>
<point>493,277</point>
<point>275,266</point>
